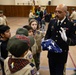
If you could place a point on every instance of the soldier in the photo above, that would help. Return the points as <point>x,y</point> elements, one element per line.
<point>62,31</point>
<point>18,63</point>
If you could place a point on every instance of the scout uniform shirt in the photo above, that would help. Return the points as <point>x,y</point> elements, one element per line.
<point>2,21</point>
<point>19,66</point>
<point>38,37</point>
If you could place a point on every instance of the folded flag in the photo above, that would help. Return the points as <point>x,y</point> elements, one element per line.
<point>50,45</point>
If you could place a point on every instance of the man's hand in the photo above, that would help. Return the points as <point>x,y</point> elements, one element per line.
<point>63,34</point>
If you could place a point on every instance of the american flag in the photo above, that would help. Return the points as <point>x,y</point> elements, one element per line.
<point>50,45</point>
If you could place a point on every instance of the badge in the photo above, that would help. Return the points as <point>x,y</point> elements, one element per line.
<point>33,72</point>
<point>64,22</point>
<point>38,32</point>
<point>66,28</point>
<point>30,56</point>
<point>52,27</point>
<point>12,65</point>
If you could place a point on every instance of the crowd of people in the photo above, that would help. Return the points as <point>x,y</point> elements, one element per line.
<point>21,52</point>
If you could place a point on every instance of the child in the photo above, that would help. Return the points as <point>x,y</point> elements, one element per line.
<point>38,37</point>
<point>18,63</point>
<point>43,24</point>
<point>37,17</point>
<point>30,33</point>
<point>31,15</point>
<point>24,31</point>
<point>4,37</point>
<point>4,19</point>
<point>30,30</point>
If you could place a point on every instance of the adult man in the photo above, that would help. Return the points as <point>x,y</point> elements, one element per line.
<point>64,35</point>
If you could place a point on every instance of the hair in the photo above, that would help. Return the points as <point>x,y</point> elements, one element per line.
<point>28,27</point>
<point>63,6</point>
<point>3,29</point>
<point>33,20</point>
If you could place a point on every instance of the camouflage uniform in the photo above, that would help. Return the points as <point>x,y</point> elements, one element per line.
<point>38,37</point>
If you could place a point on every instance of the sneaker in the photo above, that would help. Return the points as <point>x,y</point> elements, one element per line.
<point>37,73</point>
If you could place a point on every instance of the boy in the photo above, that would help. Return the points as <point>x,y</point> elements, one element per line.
<point>30,30</point>
<point>30,33</point>
<point>4,19</point>
<point>4,37</point>
<point>18,64</point>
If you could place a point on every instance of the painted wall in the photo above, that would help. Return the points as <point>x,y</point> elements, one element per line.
<point>67,2</point>
<point>38,2</point>
<point>29,2</point>
<point>43,2</point>
<point>23,2</point>
<point>26,2</point>
<point>7,2</point>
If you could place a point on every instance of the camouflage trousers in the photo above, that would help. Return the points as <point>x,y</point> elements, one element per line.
<point>37,60</point>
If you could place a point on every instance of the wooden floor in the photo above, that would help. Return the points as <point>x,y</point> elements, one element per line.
<point>16,22</point>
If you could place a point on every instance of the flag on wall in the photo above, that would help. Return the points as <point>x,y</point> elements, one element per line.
<point>33,7</point>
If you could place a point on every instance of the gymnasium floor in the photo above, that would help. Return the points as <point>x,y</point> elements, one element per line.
<point>16,22</point>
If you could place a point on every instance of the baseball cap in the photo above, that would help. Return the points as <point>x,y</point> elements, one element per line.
<point>18,44</point>
<point>22,31</point>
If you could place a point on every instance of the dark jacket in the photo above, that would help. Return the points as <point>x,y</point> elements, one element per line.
<point>4,52</point>
<point>53,33</point>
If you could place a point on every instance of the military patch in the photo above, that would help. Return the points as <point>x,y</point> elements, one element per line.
<point>66,28</point>
<point>32,65</point>
<point>52,28</point>
<point>32,60</point>
<point>38,32</point>
<point>30,56</point>
<point>64,22</point>
<point>33,72</point>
